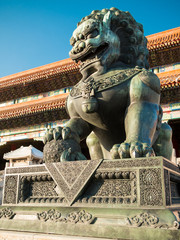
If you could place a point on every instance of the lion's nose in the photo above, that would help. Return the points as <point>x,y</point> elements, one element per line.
<point>79,47</point>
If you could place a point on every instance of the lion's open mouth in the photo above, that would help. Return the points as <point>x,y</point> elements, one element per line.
<point>93,55</point>
<point>95,52</point>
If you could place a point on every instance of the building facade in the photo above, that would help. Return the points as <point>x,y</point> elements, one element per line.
<point>35,99</point>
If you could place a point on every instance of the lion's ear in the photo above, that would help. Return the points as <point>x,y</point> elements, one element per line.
<point>107,19</point>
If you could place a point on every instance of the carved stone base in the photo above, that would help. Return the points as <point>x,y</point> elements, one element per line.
<point>123,199</point>
<point>93,222</point>
<point>142,182</point>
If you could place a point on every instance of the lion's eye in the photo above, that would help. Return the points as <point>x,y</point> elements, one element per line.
<point>72,41</point>
<point>93,34</point>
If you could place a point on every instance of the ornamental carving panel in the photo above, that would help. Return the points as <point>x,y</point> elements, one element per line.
<point>114,188</point>
<point>36,187</point>
<point>148,220</point>
<point>67,173</point>
<point>144,219</point>
<point>44,188</point>
<point>7,213</point>
<point>74,177</point>
<point>72,217</point>
<point>10,192</point>
<point>150,187</point>
<point>118,187</point>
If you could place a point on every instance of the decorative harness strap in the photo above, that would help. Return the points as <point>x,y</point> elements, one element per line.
<point>90,86</point>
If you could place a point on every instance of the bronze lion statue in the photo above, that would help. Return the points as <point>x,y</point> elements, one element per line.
<point>116,104</point>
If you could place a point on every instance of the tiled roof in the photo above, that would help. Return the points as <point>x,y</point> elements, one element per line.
<point>169,79</point>
<point>164,47</point>
<point>34,106</point>
<point>47,78</point>
<point>43,72</point>
<point>162,40</point>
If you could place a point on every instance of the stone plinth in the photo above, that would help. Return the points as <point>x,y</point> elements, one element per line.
<point>142,182</point>
<point>127,198</point>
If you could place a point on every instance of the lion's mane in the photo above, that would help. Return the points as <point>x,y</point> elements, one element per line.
<point>133,43</point>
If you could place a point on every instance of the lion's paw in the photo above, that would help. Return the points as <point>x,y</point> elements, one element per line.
<point>61,144</point>
<point>131,150</point>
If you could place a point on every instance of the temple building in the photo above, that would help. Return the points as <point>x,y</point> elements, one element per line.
<point>34,100</point>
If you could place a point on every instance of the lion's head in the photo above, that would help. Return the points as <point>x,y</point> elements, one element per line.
<point>106,37</point>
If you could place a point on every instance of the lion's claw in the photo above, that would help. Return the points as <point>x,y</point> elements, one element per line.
<point>114,151</point>
<point>48,136</point>
<point>136,150</point>
<point>131,150</point>
<point>52,133</point>
<point>124,150</point>
<point>57,133</point>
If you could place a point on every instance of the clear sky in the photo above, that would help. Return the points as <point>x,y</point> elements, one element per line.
<point>37,32</point>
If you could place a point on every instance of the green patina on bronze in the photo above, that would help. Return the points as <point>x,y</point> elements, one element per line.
<point>115,106</point>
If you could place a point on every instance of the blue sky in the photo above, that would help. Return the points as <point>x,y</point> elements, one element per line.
<point>37,32</point>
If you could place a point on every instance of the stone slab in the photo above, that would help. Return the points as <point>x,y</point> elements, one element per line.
<point>13,235</point>
<point>100,231</point>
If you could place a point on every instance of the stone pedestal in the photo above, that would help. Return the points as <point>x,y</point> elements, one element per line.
<point>125,198</point>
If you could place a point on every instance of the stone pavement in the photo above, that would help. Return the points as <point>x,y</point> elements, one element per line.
<point>13,235</point>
